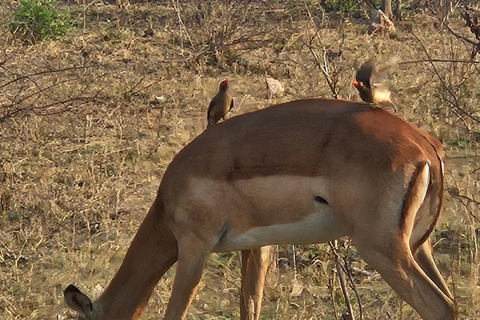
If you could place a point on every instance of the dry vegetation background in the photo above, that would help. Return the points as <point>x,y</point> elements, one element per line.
<point>89,122</point>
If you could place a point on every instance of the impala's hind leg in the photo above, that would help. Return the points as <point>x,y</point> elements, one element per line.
<point>392,258</point>
<point>254,269</point>
<point>192,256</point>
<point>384,242</point>
<point>424,257</point>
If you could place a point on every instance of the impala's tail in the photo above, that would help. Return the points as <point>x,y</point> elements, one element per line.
<point>414,199</point>
<point>421,210</point>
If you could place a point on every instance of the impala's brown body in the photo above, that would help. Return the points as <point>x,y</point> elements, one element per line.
<point>301,172</point>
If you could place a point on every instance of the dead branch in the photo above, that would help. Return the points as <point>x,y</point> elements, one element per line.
<point>324,68</point>
<point>39,93</point>
<point>31,75</point>
<point>341,271</point>
<point>323,63</point>
<point>456,109</point>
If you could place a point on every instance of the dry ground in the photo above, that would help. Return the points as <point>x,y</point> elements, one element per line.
<point>89,122</point>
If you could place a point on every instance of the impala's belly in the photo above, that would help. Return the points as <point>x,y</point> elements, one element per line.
<point>263,210</point>
<point>276,210</point>
<point>318,227</point>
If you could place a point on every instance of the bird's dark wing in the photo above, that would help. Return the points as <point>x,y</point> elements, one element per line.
<point>366,71</point>
<point>211,106</point>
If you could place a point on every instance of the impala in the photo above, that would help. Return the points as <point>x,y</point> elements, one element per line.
<point>301,172</point>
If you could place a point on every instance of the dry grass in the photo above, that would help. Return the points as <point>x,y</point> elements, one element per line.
<point>78,176</point>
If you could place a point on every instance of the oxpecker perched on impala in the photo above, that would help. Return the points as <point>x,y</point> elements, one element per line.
<point>220,104</point>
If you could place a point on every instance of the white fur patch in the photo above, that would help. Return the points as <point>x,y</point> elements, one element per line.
<point>319,227</point>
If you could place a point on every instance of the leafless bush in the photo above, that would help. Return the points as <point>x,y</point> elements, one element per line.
<point>44,92</point>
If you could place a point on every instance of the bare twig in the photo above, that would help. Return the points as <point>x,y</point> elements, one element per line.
<point>31,88</point>
<point>36,110</point>
<point>331,287</point>
<point>465,200</point>
<point>476,45</point>
<point>324,68</point>
<point>35,93</point>
<point>340,272</point>
<point>134,92</point>
<point>181,24</point>
<point>354,288</point>
<point>29,76</point>
<point>459,36</point>
<point>474,28</point>
<point>322,64</point>
<point>456,107</point>
<point>439,61</point>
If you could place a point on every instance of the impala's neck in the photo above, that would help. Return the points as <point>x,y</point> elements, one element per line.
<point>152,252</point>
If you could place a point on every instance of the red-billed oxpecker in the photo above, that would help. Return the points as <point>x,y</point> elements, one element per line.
<point>220,104</point>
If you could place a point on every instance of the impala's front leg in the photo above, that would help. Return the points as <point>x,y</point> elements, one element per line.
<point>192,256</point>
<point>254,269</point>
<point>152,252</point>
